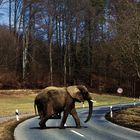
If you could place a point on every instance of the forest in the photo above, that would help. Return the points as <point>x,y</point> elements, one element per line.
<point>66,42</point>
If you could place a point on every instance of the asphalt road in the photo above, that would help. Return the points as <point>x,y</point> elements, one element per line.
<point>98,128</point>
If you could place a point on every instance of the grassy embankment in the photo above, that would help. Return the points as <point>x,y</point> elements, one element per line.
<point>23,101</point>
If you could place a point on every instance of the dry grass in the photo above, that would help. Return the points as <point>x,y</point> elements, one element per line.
<point>7,128</point>
<point>10,100</point>
<point>128,117</point>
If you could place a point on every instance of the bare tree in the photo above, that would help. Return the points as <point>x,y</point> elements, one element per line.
<point>10,13</point>
<point>128,32</point>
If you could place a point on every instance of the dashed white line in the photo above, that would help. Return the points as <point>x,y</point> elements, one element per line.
<point>77,133</point>
<point>81,135</point>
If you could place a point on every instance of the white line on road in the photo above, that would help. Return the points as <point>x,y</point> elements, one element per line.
<point>77,133</point>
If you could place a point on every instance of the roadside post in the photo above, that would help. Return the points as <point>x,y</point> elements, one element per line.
<point>17,115</point>
<point>111,113</point>
<point>134,101</point>
<point>83,105</point>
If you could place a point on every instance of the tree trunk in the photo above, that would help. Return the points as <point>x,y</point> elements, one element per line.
<point>50,50</point>
<point>15,16</point>
<point>10,15</point>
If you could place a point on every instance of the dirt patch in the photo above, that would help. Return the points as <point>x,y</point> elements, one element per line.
<point>129,117</point>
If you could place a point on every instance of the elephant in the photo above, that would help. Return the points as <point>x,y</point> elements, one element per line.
<point>53,100</point>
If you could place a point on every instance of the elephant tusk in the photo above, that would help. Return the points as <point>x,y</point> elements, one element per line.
<point>93,101</point>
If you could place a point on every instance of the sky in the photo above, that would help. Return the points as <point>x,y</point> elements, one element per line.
<point>4,14</point>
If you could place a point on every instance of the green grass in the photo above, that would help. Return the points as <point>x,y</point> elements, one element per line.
<point>25,102</point>
<point>106,99</point>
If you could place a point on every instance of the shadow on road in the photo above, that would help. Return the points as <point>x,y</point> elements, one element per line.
<point>56,127</point>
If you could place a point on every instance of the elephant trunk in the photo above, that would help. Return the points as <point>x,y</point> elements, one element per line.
<point>90,110</point>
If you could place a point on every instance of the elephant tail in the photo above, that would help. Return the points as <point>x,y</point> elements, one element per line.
<point>35,108</point>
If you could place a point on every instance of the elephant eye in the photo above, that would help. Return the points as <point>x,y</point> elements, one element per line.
<point>80,97</point>
<point>85,94</point>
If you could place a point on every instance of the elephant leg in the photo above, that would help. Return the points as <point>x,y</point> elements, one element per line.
<point>40,115</point>
<point>76,118</point>
<point>45,116</point>
<point>67,111</point>
<point>64,119</point>
<point>43,121</point>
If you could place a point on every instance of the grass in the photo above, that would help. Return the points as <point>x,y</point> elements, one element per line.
<point>23,100</point>
<point>9,103</point>
<point>106,99</point>
<point>7,128</point>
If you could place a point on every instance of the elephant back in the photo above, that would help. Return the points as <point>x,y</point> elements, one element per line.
<point>53,88</point>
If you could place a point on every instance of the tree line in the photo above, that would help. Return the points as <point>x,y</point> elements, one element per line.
<point>65,42</point>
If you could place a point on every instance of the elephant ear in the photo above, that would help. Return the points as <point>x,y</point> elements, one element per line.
<point>75,93</point>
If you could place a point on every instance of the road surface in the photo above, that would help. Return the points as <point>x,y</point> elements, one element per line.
<point>98,128</point>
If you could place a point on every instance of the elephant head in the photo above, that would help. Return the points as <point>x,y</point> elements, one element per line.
<point>80,93</point>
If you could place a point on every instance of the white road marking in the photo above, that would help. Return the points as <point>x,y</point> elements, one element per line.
<point>77,133</point>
